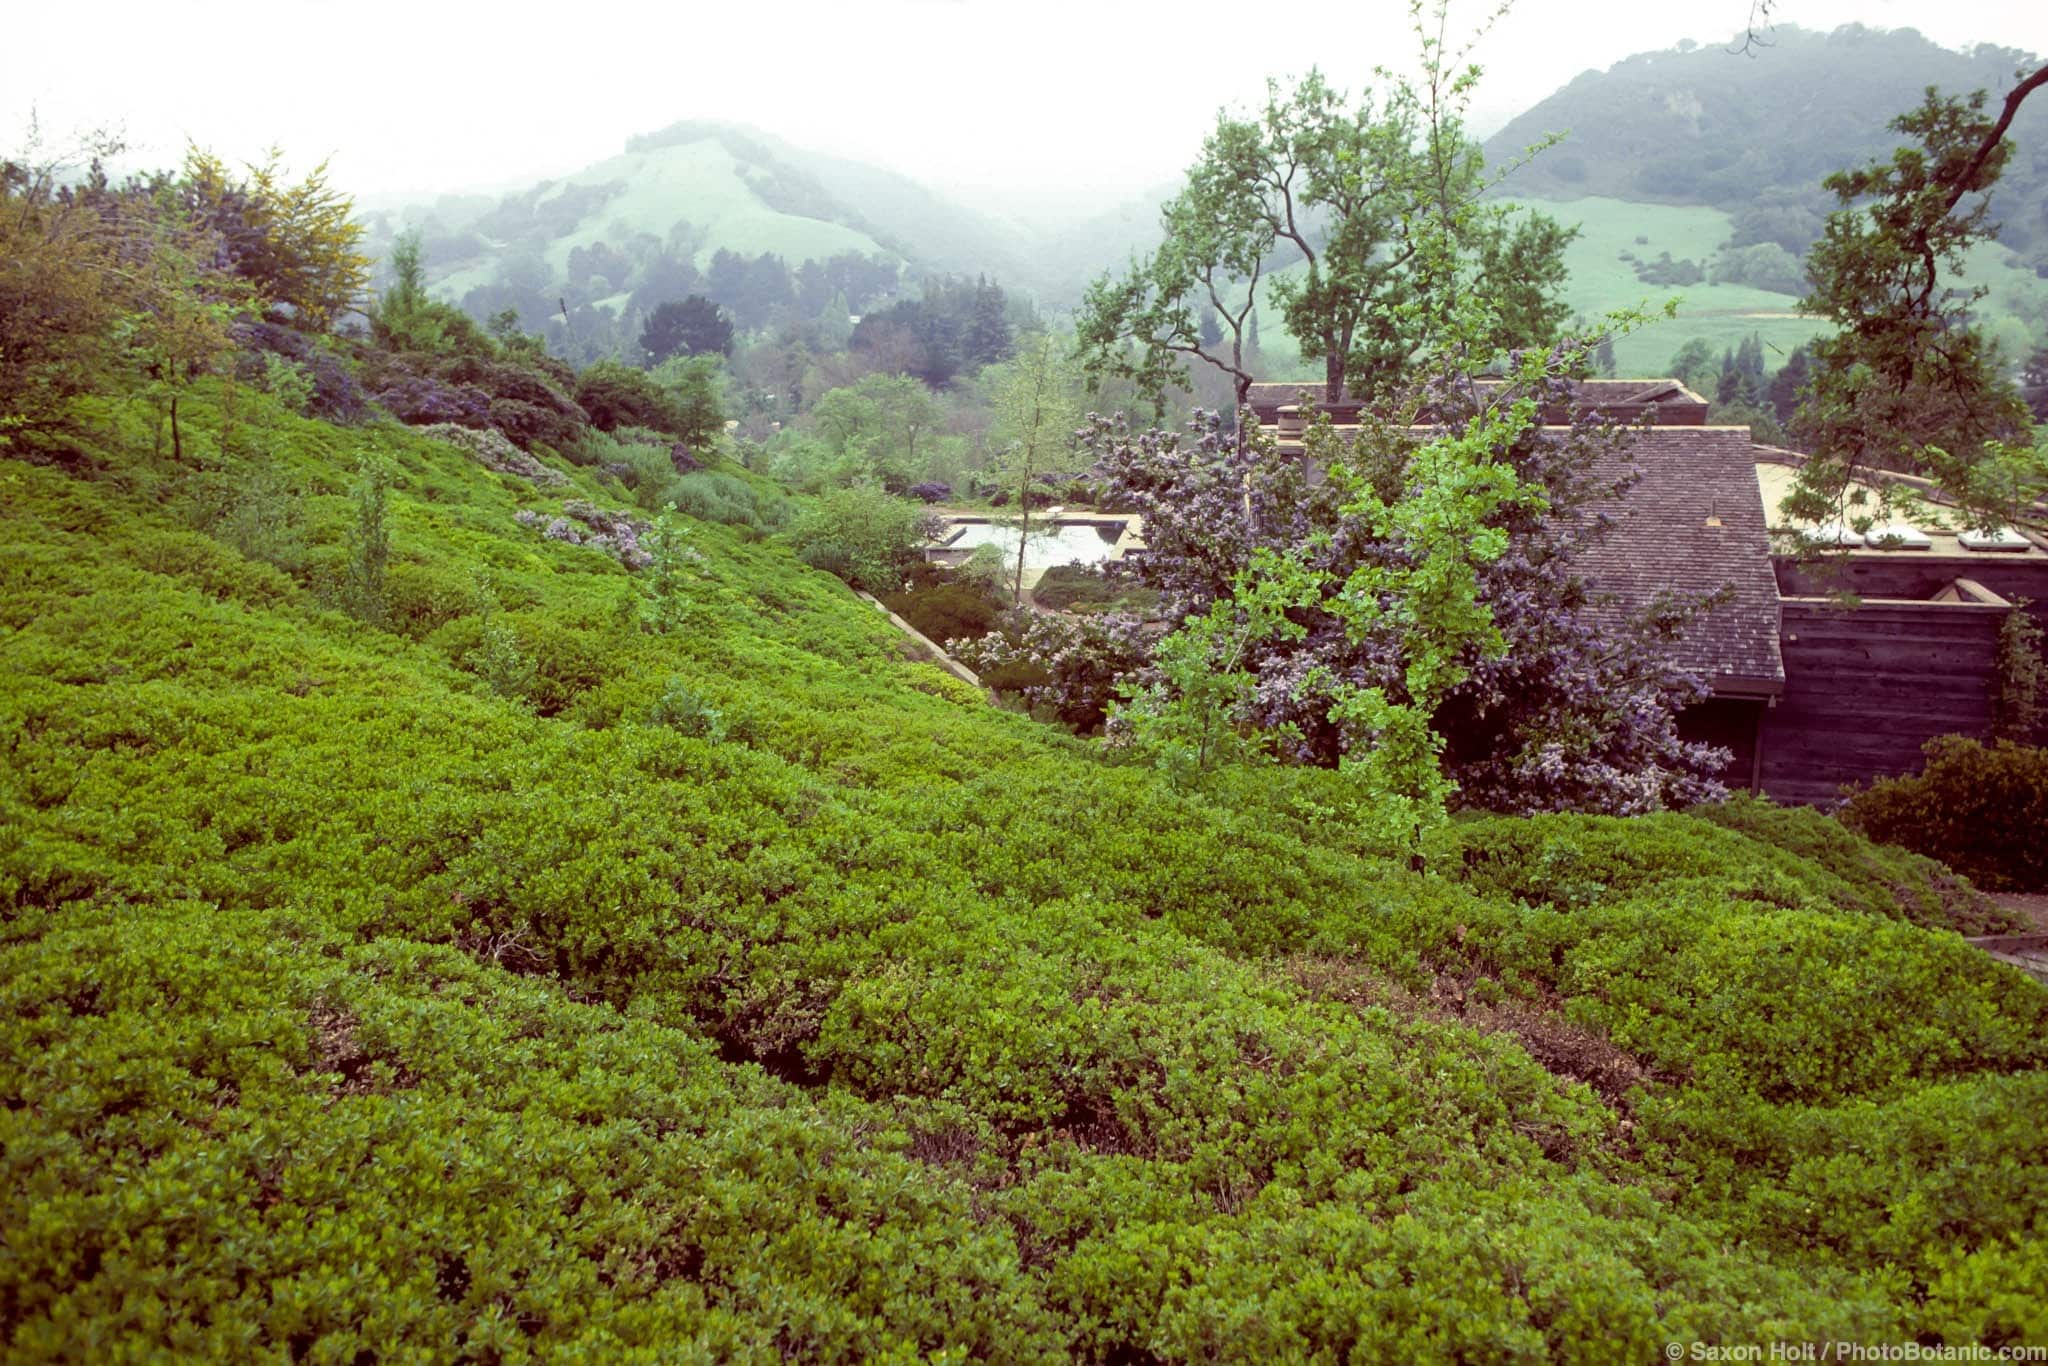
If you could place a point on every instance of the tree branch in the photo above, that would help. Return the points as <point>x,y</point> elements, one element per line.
<point>1997,135</point>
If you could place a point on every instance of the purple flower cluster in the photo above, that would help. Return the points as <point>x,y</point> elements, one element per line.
<point>616,533</point>
<point>1575,715</point>
<point>1070,666</point>
<point>490,449</point>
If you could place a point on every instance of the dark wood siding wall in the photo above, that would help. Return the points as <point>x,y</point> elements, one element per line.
<point>1866,687</point>
<point>1917,576</point>
<point>1731,723</point>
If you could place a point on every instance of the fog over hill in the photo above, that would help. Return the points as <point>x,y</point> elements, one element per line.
<point>1748,136</point>
<point>647,222</point>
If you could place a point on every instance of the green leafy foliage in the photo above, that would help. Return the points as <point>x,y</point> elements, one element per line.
<point>369,545</point>
<point>1909,383</point>
<point>863,535</point>
<point>604,959</point>
<point>2020,689</point>
<point>1321,197</point>
<point>1087,588</point>
<point>684,710</point>
<point>667,604</point>
<point>1190,718</point>
<point>58,302</point>
<point>948,606</point>
<point>1979,808</point>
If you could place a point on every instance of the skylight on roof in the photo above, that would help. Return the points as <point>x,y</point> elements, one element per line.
<point>2003,538</point>
<point>1897,536</point>
<point>1830,533</point>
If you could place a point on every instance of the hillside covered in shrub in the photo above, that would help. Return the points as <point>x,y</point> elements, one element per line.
<point>569,959</point>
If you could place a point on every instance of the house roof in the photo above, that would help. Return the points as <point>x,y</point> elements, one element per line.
<point>1933,530</point>
<point>1693,522</point>
<point>1663,401</point>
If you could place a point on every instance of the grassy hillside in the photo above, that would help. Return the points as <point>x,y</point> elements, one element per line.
<point>1704,125</point>
<point>698,190</point>
<point>1722,315</point>
<point>750,990</point>
<point>704,185</point>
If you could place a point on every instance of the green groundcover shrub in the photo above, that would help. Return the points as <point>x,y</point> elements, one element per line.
<point>1982,809</point>
<point>718,984</point>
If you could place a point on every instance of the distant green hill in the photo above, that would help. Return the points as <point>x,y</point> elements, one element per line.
<point>1704,125</point>
<point>1693,149</point>
<point>1684,152</point>
<point>585,256</point>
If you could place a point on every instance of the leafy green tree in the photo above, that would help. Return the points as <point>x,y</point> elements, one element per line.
<point>694,388</point>
<point>406,318</point>
<point>298,245</point>
<point>1201,283</point>
<point>617,395</point>
<point>2034,384</point>
<point>955,327</point>
<point>1189,715</point>
<point>1695,367</point>
<point>757,290</point>
<point>878,428</point>
<point>60,292</point>
<point>1431,538</point>
<point>369,544</point>
<point>667,605</point>
<point>689,327</point>
<point>179,325</point>
<point>987,337</point>
<point>1906,382</point>
<point>1329,192</point>
<point>507,670</point>
<point>863,535</point>
<point>1764,265</point>
<point>1037,407</point>
<point>835,323</point>
<point>1742,374</point>
<point>1789,384</point>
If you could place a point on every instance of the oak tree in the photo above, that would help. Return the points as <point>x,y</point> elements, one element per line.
<point>1312,204</point>
<point>1906,382</point>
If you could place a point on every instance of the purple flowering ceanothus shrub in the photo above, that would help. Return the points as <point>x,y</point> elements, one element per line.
<point>1575,714</point>
<point>1071,666</point>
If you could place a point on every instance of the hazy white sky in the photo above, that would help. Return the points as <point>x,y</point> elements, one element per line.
<point>1015,97</point>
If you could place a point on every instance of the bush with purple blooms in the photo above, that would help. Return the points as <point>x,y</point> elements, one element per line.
<point>1569,716</point>
<point>336,396</point>
<point>1071,667</point>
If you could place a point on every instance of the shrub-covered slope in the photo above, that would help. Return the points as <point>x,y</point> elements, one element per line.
<point>749,990</point>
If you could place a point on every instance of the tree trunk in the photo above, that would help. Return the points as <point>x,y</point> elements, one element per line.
<point>177,441</point>
<point>1023,535</point>
<point>1333,377</point>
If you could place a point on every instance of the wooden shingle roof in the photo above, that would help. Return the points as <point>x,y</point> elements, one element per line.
<point>1692,523</point>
